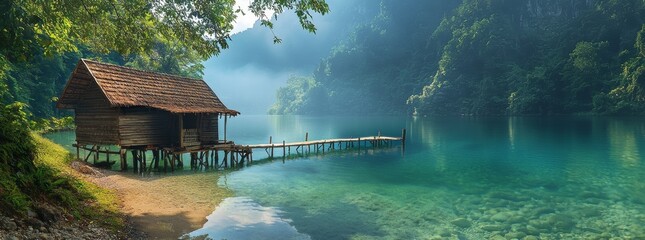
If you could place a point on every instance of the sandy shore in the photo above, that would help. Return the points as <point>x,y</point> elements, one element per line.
<point>165,206</point>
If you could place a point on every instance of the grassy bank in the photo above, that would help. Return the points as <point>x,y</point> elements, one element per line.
<point>48,180</point>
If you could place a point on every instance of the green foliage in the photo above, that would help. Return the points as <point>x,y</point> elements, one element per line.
<point>629,96</point>
<point>44,125</point>
<point>505,57</point>
<point>17,151</point>
<point>482,57</point>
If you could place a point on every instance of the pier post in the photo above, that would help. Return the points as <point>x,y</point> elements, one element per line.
<point>403,133</point>
<point>284,153</point>
<point>307,140</point>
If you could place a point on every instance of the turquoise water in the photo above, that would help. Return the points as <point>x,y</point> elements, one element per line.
<point>459,178</point>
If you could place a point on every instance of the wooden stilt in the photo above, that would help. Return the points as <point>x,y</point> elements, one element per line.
<point>123,158</point>
<point>216,159</point>
<point>135,159</point>
<point>143,165</point>
<point>155,158</point>
<point>164,156</point>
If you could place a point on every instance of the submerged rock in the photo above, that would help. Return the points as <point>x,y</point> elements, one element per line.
<point>515,235</point>
<point>501,217</point>
<point>497,237</point>
<point>562,222</point>
<point>492,227</point>
<point>461,222</point>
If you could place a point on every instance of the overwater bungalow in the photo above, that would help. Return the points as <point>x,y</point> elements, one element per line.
<point>141,110</point>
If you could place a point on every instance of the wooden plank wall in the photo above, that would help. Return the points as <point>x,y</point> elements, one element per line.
<point>140,126</point>
<point>96,121</point>
<point>208,133</point>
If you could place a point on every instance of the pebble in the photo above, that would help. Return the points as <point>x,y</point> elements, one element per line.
<point>8,224</point>
<point>530,237</point>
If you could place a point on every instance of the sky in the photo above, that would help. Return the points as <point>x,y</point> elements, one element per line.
<point>247,20</point>
<point>247,75</point>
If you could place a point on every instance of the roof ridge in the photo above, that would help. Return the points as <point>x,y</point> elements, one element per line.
<point>141,70</point>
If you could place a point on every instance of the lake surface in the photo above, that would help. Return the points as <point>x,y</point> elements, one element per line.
<point>459,178</point>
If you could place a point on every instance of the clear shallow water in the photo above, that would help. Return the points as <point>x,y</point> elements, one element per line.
<point>460,178</point>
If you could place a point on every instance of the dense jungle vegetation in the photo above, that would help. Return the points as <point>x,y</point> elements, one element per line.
<point>482,57</point>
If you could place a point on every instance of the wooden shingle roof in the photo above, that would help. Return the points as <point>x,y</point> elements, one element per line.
<point>129,87</point>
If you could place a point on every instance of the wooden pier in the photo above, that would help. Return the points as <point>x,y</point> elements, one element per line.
<point>208,157</point>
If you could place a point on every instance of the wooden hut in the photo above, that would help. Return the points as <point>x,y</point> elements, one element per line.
<point>131,108</point>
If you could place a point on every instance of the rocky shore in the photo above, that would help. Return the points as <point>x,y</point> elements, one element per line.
<point>49,224</point>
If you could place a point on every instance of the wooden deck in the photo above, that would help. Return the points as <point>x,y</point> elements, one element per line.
<point>235,154</point>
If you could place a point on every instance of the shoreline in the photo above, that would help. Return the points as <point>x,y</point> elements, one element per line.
<point>165,206</point>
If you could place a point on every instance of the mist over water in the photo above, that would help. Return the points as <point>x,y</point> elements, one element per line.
<point>247,75</point>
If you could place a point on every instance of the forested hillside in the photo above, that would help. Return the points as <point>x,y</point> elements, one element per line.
<point>482,57</point>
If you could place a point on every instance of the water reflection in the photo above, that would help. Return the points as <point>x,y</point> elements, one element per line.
<point>242,218</point>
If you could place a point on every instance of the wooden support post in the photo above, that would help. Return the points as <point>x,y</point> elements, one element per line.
<point>216,164</point>
<point>143,166</point>
<point>164,156</point>
<point>225,158</point>
<point>107,155</point>
<point>172,162</point>
<point>284,154</point>
<point>403,133</point>
<point>135,158</point>
<point>78,152</point>
<point>155,158</point>
<point>225,126</point>
<point>272,147</point>
<point>123,157</point>
<point>306,136</point>
<point>96,153</point>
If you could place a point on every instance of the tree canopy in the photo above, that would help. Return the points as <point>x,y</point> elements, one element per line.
<point>40,41</point>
